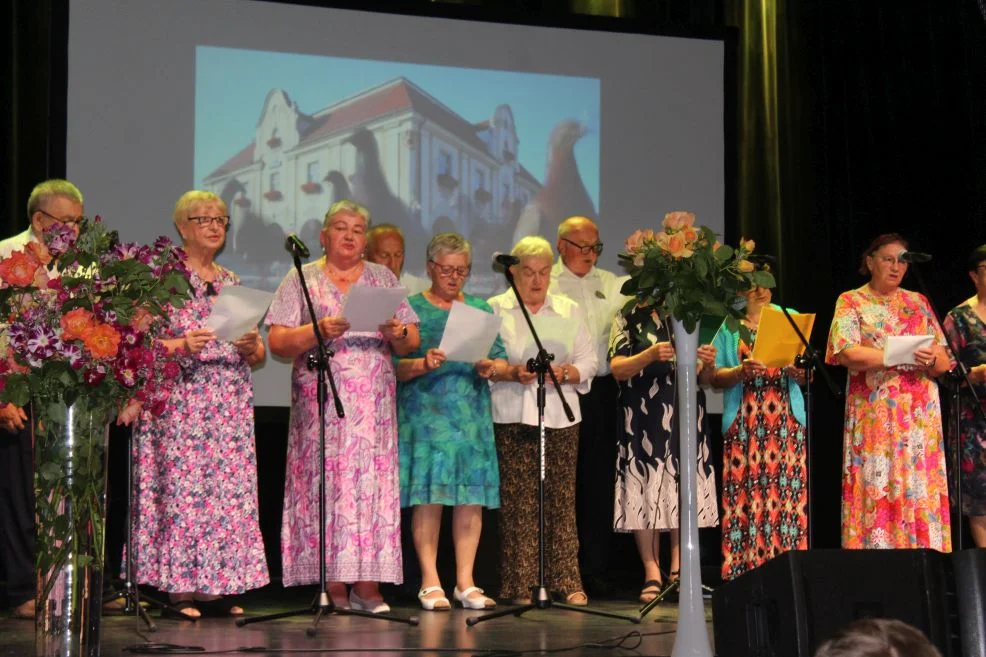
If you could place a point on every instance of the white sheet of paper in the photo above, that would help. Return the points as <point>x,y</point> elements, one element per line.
<point>368,307</point>
<point>469,333</point>
<point>237,310</point>
<point>900,349</point>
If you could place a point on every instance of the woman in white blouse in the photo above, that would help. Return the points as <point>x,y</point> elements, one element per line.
<point>564,334</point>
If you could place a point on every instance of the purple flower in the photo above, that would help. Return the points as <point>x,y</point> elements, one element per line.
<point>72,353</point>
<point>59,238</point>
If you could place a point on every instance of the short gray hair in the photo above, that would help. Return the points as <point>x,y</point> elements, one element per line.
<point>533,246</point>
<point>45,191</point>
<point>448,244</point>
<point>382,230</point>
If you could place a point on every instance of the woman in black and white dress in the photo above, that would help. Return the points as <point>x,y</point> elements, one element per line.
<point>642,361</point>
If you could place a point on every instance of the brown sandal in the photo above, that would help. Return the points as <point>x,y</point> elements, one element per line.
<point>652,589</point>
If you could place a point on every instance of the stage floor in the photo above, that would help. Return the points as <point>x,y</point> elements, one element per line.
<point>560,631</point>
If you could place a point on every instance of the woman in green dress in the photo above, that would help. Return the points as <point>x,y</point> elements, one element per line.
<point>447,453</point>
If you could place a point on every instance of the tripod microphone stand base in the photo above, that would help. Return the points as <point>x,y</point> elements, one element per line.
<point>541,600</point>
<point>130,604</point>
<point>674,586</point>
<point>322,606</point>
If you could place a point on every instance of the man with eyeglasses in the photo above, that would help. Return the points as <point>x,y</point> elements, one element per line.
<point>597,292</point>
<point>50,201</point>
<point>385,246</point>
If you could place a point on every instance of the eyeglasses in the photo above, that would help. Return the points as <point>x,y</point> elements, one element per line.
<point>585,250</point>
<point>68,221</point>
<point>889,259</point>
<point>448,270</point>
<point>207,221</point>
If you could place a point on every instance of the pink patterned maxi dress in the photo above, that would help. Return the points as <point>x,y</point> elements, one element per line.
<point>363,538</point>
<point>197,526</point>
<point>894,489</point>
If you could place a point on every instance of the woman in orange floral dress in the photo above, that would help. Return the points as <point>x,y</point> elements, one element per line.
<point>894,488</point>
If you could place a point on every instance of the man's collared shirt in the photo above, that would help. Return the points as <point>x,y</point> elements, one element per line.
<point>599,299</point>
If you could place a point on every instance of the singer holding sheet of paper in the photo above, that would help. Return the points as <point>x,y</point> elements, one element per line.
<point>894,487</point>
<point>447,452</point>
<point>564,333</point>
<point>362,500</point>
<point>764,477</point>
<point>197,529</point>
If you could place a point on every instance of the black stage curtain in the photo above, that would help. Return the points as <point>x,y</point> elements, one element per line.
<point>855,119</point>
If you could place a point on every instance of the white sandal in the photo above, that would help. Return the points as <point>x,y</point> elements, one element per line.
<point>482,602</point>
<point>433,604</point>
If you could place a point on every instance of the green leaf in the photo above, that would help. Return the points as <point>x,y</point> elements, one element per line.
<point>724,253</point>
<point>763,279</point>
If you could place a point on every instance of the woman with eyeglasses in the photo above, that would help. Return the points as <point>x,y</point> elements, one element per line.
<point>894,488</point>
<point>564,334</point>
<point>447,453</point>
<point>197,533</point>
<point>362,497</point>
<point>966,327</point>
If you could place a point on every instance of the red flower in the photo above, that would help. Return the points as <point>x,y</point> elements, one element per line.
<point>19,269</point>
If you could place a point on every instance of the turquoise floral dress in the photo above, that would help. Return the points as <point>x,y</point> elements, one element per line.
<point>447,453</point>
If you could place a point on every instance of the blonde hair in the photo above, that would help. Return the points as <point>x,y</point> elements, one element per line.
<point>533,246</point>
<point>45,191</point>
<point>346,206</point>
<point>194,197</point>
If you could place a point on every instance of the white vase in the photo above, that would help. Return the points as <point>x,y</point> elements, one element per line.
<point>692,634</point>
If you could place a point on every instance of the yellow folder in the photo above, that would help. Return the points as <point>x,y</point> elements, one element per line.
<point>777,344</point>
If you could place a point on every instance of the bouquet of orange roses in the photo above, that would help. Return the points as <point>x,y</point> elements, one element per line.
<point>682,271</point>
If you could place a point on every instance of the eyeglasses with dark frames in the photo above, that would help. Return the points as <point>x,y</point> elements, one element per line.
<point>68,221</point>
<point>587,249</point>
<point>222,220</point>
<point>448,270</point>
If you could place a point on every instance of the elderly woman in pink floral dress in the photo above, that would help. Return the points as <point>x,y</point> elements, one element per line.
<point>894,489</point>
<point>197,529</point>
<point>363,542</point>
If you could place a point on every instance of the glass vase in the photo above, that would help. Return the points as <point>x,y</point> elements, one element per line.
<point>70,486</point>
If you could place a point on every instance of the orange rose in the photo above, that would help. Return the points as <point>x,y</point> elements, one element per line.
<point>675,245</point>
<point>744,265</point>
<point>39,251</point>
<point>747,245</point>
<point>634,242</point>
<point>19,269</point>
<point>678,220</point>
<point>76,323</point>
<point>142,320</point>
<point>690,234</point>
<point>716,245</point>
<point>102,341</point>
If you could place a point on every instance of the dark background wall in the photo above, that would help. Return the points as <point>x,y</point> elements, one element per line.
<point>844,120</point>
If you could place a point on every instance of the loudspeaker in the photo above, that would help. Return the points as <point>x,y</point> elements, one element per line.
<point>970,597</point>
<point>789,605</point>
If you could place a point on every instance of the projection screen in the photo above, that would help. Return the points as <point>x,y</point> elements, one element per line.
<point>432,123</point>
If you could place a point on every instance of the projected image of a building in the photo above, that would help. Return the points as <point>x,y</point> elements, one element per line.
<point>413,161</point>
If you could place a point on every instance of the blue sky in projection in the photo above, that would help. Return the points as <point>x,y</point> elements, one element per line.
<point>231,84</point>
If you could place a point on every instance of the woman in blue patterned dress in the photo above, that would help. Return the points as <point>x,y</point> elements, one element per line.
<point>966,328</point>
<point>447,453</point>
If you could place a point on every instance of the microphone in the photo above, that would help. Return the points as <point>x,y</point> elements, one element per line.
<point>503,260</point>
<point>295,245</point>
<point>914,256</point>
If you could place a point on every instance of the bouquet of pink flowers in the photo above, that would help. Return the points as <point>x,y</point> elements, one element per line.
<point>83,317</point>
<point>683,272</point>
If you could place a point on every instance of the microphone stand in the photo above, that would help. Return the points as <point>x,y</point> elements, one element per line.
<point>541,364</point>
<point>320,361</point>
<point>960,375</point>
<point>808,362</point>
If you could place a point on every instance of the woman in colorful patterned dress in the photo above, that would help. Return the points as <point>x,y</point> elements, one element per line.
<point>764,477</point>
<point>197,531</point>
<point>447,453</point>
<point>648,461</point>
<point>565,334</point>
<point>966,328</point>
<point>894,487</point>
<point>362,530</point>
